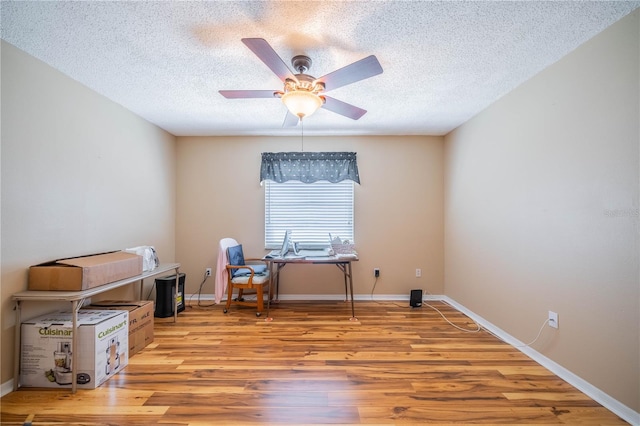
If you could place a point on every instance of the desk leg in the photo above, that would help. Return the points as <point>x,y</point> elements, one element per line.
<point>175,298</point>
<point>346,270</point>
<point>279,267</point>
<point>343,268</point>
<point>17,347</point>
<point>353,311</point>
<point>268,318</point>
<point>346,293</point>
<point>74,346</point>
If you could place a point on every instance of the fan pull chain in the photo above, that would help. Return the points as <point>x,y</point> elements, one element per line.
<point>302,140</point>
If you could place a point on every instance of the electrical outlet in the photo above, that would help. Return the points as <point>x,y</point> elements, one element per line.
<point>418,273</point>
<point>207,272</point>
<point>553,319</point>
<point>376,272</point>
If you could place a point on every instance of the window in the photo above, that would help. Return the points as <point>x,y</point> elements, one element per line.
<point>311,211</point>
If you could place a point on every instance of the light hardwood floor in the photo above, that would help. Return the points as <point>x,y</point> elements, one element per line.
<point>312,365</point>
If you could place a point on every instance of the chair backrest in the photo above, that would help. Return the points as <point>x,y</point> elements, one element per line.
<point>235,256</point>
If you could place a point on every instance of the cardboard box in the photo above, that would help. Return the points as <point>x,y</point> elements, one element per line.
<point>140,320</point>
<point>85,272</point>
<point>45,349</point>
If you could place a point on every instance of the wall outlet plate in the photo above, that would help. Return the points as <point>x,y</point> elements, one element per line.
<point>553,319</point>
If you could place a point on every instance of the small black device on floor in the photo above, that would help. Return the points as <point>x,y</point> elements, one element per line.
<point>415,300</point>
<point>165,290</point>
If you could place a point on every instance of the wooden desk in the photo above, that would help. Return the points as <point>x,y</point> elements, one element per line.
<point>342,262</point>
<point>77,299</point>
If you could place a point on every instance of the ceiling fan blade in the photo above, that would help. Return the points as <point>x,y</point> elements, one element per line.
<point>246,94</point>
<point>359,70</point>
<point>265,52</point>
<point>343,108</point>
<point>290,120</point>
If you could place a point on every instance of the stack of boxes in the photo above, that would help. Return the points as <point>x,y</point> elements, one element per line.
<point>109,332</point>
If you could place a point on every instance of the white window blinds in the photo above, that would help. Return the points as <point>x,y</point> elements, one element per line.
<point>311,211</point>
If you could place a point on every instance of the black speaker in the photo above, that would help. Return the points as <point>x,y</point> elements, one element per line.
<point>415,300</point>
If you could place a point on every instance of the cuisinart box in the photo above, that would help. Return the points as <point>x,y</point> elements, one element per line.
<point>46,349</point>
<point>140,320</point>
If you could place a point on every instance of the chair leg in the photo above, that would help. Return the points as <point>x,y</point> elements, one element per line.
<point>260,301</point>
<point>229,296</point>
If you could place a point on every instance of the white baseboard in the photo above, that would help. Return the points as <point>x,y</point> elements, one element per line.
<point>612,404</point>
<point>7,387</point>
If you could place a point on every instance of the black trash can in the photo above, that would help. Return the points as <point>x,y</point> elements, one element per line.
<point>165,290</point>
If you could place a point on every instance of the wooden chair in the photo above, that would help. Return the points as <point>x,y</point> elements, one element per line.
<point>245,274</point>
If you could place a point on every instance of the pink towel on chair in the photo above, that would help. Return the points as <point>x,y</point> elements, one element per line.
<point>221,268</point>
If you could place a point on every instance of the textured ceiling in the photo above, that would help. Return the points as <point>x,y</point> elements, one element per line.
<point>443,61</point>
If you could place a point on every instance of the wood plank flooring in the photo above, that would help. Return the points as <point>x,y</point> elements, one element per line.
<point>311,365</point>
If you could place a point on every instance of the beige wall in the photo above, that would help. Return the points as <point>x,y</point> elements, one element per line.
<point>541,212</point>
<point>80,175</point>
<point>398,210</point>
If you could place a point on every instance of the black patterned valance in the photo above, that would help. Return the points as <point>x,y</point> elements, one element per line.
<point>309,167</point>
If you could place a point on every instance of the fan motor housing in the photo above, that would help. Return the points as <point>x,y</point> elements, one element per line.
<point>301,63</point>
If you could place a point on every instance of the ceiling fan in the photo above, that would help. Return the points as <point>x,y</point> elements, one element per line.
<point>302,93</point>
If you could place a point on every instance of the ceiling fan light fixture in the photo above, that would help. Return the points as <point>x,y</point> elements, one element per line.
<point>301,102</point>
